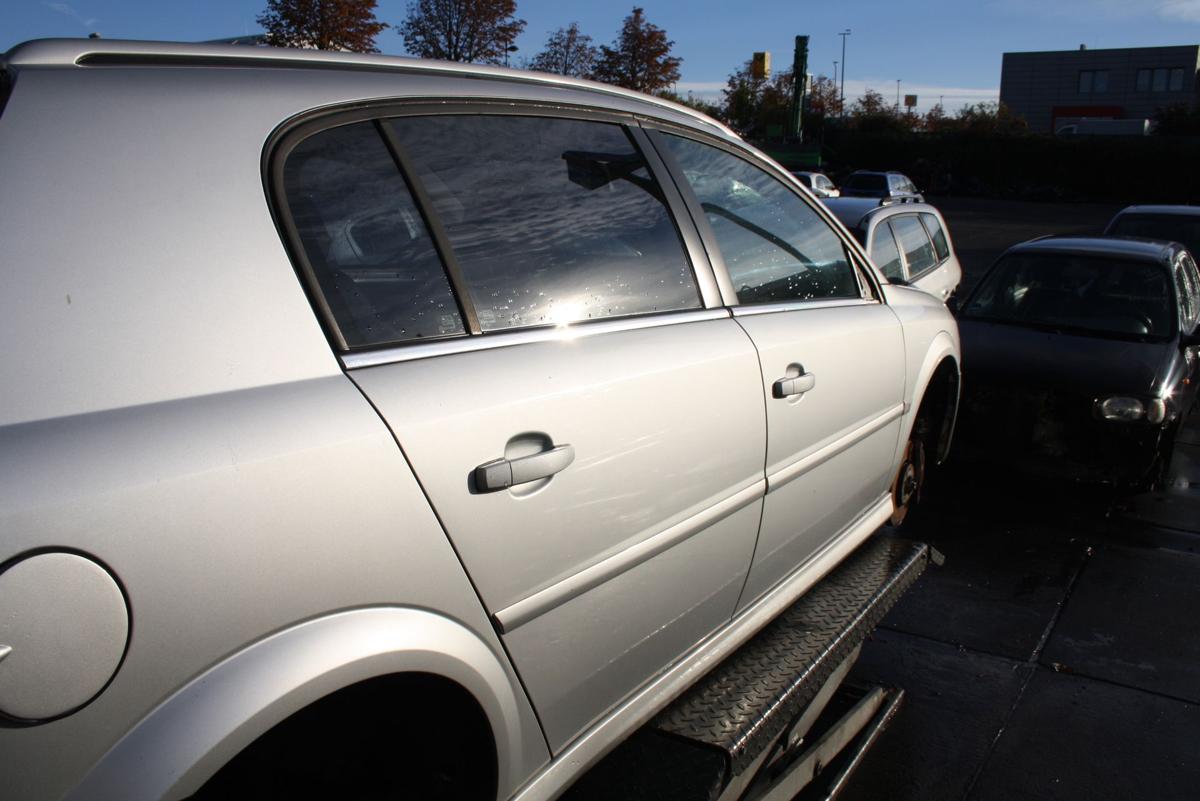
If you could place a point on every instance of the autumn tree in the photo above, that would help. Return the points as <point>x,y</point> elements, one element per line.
<point>756,104</point>
<point>640,57</point>
<point>568,51</point>
<point>461,30</point>
<point>348,25</point>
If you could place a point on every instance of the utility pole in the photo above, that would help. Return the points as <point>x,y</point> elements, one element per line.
<point>842,92</point>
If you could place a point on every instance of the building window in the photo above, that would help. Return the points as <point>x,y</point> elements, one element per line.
<point>1093,81</point>
<point>1160,79</point>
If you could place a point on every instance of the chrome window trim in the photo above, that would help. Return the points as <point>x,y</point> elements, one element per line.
<point>800,305</point>
<point>542,601</point>
<point>356,360</point>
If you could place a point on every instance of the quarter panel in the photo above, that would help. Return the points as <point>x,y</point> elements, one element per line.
<point>226,518</point>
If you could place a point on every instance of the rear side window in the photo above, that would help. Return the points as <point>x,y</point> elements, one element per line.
<point>918,250</point>
<point>369,251</point>
<point>884,252</point>
<point>550,220</point>
<point>775,246</point>
<point>940,245</point>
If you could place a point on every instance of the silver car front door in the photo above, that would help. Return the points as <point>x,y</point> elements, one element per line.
<point>831,355</point>
<point>589,435</point>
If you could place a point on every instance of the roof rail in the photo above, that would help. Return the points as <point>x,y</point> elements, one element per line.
<point>122,53</point>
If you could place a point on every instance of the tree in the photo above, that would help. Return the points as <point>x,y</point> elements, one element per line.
<point>1179,119</point>
<point>872,113</point>
<point>568,51</point>
<point>823,98</point>
<point>639,58</point>
<point>461,30</point>
<point>322,24</point>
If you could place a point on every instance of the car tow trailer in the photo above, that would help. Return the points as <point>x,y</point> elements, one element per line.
<point>776,720</point>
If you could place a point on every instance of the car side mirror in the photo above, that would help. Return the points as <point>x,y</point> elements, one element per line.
<point>898,280</point>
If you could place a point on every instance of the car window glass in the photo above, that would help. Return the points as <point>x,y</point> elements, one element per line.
<point>918,250</point>
<point>1076,293</point>
<point>884,252</point>
<point>370,253</point>
<point>1186,294</point>
<point>940,246</point>
<point>551,220</point>
<point>775,246</point>
<point>1181,228</point>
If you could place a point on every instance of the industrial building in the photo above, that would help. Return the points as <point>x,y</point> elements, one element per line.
<point>1055,88</point>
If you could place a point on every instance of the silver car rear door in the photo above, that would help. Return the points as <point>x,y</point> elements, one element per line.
<point>589,434</point>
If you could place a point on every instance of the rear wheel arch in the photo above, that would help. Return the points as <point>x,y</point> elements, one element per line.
<point>401,734</point>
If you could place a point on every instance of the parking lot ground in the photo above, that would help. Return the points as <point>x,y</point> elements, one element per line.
<point>1056,654</point>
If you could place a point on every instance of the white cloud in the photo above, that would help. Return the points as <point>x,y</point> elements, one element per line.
<point>1180,10</point>
<point>952,98</point>
<point>1186,10</point>
<point>68,11</point>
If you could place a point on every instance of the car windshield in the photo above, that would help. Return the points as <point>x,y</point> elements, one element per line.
<point>1184,229</point>
<point>1077,293</point>
<point>867,181</point>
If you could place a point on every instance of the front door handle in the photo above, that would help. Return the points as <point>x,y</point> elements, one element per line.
<point>501,474</point>
<point>795,385</point>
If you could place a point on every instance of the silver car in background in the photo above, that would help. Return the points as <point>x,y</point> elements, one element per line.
<point>909,242</point>
<point>427,425</point>
<point>820,183</point>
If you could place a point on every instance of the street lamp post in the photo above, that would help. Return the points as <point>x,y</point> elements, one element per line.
<point>835,63</point>
<point>897,95</point>
<point>842,92</point>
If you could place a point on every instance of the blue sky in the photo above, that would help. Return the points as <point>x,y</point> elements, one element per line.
<point>947,48</point>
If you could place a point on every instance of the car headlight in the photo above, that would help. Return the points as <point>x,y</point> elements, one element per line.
<point>1128,410</point>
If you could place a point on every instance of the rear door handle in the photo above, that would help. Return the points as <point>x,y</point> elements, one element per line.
<point>797,385</point>
<point>501,474</point>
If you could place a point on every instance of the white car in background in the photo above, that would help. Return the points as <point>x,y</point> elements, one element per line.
<point>819,183</point>
<point>909,242</point>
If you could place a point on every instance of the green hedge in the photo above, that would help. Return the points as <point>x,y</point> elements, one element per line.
<point>1146,169</point>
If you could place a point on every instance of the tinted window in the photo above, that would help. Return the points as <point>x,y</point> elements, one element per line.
<point>551,220</point>
<point>1181,228</point>
<point>940,245</point>
<point>1076,293</point>
<point>884,252</point>
<point>867,181</point>
<point>370,253</point>
<point>918,250</point>
<point>775,246</point>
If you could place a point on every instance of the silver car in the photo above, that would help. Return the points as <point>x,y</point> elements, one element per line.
<point>819,183</point>
<point>417,423</point>
<point>909,242</point>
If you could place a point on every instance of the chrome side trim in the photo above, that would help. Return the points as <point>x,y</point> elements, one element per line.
<point>468,344</point>
<point>801,305</point>
<point>821,455</point>
<point>575,585</point>
<point>602,737</point>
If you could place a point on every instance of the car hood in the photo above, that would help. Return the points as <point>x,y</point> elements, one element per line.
<point>1064,362</point>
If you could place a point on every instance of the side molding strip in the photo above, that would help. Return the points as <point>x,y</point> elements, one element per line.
<point>575,585</point>
<point>802,466</point>
<point>591,746</point>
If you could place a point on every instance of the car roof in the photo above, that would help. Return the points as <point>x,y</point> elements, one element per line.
<point>1119,246</point>
<point>1182,211</point>
<point>853,211</point>
<point>131,53</point>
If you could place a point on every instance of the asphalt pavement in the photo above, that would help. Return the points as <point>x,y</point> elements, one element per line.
<point>1056,654</point>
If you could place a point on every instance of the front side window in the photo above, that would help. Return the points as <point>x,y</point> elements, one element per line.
<point>775,246</point>
<point>370,254</point>
<point>551,220</point>
<point>884,252</point>
<point>918,250</point>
